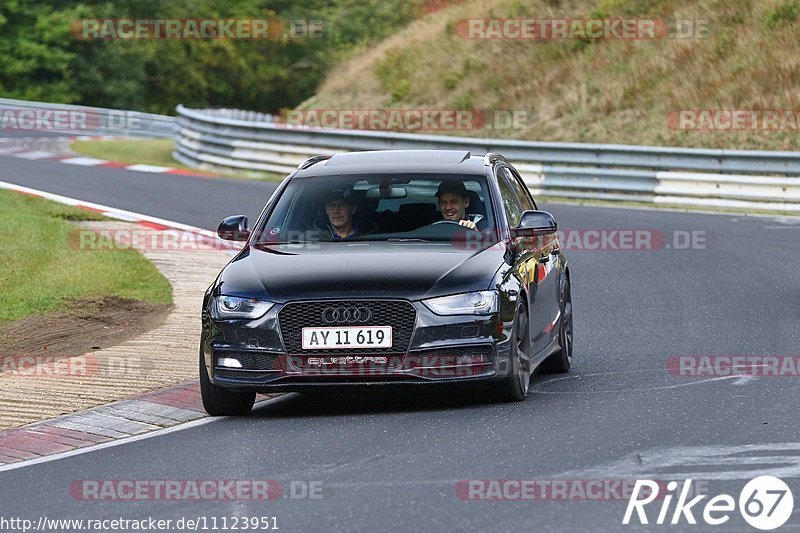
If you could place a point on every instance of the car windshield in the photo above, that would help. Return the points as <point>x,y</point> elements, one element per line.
<point>391,207</point>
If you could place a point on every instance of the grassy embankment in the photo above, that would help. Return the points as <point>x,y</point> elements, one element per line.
<point>607,91</point>
<point>40,271</point>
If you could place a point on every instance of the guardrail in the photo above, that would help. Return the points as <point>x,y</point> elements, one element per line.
<point>85,120</point>
<point>244,140</point>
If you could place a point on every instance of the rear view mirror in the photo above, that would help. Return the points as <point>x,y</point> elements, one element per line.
<point>535,223</point>
<point>387,191</point>
<point>234,228</point>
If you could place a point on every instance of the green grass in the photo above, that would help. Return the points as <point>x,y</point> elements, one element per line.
<point>40,270</point>
<point>152,152</point>
<point>145,151</point>
<point>743,56</point>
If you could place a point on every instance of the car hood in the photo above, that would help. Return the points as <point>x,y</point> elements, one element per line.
<point>366,269</point>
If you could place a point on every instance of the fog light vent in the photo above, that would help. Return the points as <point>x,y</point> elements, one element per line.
<point>470,359</point>
<point>229,362</point>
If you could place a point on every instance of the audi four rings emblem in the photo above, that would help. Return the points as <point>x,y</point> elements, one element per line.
<point>346,315</point>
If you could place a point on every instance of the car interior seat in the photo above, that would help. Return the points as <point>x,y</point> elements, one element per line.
<point>413,216</point>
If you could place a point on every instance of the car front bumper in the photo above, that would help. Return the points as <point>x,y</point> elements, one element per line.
<point>252,355</point>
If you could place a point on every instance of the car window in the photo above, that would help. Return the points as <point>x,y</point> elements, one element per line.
<point>512,204</point>
<point>386,207</point>
<point>522,191</point>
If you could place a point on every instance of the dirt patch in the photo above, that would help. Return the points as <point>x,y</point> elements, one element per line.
<point>82,326</point>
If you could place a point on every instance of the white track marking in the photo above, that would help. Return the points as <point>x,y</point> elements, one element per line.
<point>36,154</point>
<point>119,216</point>
<point>148,168</point>
<point>715,462</point>
<point>84,161</point>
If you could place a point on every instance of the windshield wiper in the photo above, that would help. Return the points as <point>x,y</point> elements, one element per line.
<point>414,239</point>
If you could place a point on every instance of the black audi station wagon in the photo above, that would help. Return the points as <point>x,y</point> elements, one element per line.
<point>384,270</point>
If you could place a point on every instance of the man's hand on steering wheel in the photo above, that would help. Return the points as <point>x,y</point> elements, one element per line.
<point>468,224</point>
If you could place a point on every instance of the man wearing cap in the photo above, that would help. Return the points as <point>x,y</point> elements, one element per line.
<point>340,208</point>
<point>453,202</point>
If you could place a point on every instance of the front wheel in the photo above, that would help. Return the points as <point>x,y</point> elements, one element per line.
<point>218,401</point>
<point>514,387</point>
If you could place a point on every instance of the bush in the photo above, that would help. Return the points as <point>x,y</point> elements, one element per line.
<point>785,14</point>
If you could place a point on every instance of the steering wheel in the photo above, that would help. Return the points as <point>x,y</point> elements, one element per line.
<point>452,222</point>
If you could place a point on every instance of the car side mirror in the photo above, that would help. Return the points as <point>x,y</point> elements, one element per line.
<point>234,228</point>
<point>534,223</point>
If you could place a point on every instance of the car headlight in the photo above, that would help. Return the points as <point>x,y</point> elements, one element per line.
<point>468,303</point>
<point>236,307</point>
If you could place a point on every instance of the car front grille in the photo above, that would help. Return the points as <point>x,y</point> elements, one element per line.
<point>398,314</point>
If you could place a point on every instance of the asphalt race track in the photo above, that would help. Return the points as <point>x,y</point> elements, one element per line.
<point>392,463</point>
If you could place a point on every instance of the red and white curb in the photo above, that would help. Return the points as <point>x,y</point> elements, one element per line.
<point>57,152</point>
<point>150,414</point>
<point>85,161</point>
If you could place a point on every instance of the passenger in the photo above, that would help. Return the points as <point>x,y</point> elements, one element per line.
<point>340,208</point>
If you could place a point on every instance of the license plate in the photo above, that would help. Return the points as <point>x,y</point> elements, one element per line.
<point>347,337</point>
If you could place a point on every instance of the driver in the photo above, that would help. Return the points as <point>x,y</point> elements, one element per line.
<point>340,208</point>
<point>453,202</point>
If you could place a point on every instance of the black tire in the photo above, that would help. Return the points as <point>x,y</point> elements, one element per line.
<point>514,387</point>
<point>218,401</point>
<point>561,361</point>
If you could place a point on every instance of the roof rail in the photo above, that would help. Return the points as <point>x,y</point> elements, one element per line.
<point>492,158</point>
<point>312,160</point>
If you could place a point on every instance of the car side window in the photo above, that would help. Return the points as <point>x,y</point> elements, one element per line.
<point>511,203</point>
<point>522,191</point>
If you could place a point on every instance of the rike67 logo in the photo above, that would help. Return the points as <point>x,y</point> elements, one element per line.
<point>765,503</point>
